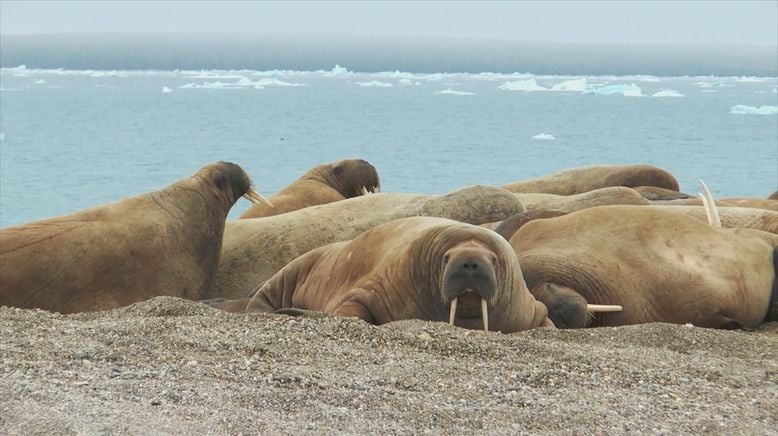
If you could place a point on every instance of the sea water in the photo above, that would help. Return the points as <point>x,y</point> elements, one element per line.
<point>72,139</point>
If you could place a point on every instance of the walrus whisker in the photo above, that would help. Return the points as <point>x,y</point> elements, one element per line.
<point>594,308</point>
<point>453,312</point>
<point>255,197</point>
<point>485,314</point>
<point>714,219</point>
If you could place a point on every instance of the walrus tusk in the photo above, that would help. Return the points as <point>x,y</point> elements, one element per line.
<point>485,315</point>
<point>714,219</point>
<point>255,197</point>
<point>603,308</point>
<point>364,191</point>
<point>453,311</point>
<point>376,189</point>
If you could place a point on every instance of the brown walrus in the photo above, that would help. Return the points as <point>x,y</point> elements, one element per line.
<point>164,242</point>
<point>255,249</point>
<point>320,185</point>
<point>583,179</point>
<point>773,196</point>
<point>755,203</point>
<point>656,193</point>
<point>570,203</point>
<point>413,268</point>
<point>660,266</point>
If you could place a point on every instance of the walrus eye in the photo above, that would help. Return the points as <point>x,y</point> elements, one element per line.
<point>337,170</point>
<point>494,260</point>
<point>445,258</point>
<point>219,181</point>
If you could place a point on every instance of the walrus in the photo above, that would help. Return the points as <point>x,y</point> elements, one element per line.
<point>656,193</point>
<point>571,203</point>
<point>255,249</point>
<point>754,203</point>
<point>773,196</point>
<point>165,242</point>
<point>660,266</point>
<point>587,178</point>
<point>320,185</point>
<point>413,268</point>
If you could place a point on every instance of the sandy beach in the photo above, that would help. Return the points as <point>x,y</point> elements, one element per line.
<point>170,366</point>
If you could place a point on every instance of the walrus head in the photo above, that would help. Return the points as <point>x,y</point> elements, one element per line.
<point>469,280</point>
<point>233,181</point>
<point>353,177</point>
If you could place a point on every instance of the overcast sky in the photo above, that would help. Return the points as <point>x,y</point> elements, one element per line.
<point>750,22</point>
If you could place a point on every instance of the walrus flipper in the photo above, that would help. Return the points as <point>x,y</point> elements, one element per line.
<point>354,306</point>
<point>772,309</point>
<point>567,309</point>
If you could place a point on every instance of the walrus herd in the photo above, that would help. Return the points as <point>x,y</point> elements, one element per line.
<point>601,245</point>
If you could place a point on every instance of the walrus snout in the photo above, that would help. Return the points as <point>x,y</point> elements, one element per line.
<point>227,176</point>
<point>469,278</point>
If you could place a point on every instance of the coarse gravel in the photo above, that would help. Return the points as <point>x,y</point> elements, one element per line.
<point>171,366</point>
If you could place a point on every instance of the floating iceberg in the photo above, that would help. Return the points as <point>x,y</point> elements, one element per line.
<point>408,82</point>
<point>577,85</point>
<point>450,91</point>
<point>374,84</point>
<point>544,137</point>
<point>529,85</point>
<point>630,90</point>
<point>210,85</point>
<point>166,90</point>
<point>753,110</point>
<point>40,82</point>
<point>667,93</point>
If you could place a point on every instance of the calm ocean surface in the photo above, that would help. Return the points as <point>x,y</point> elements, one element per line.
<point>76,139</point>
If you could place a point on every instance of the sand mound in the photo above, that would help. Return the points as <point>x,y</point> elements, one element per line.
<point>174,366</point>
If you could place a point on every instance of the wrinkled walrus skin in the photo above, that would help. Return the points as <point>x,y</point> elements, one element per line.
<point>583,179</point>
<point>411,268</point>
<point>164,242</point>
<point>322,184</point>
<point>255,249</point>
<point>661,266</point>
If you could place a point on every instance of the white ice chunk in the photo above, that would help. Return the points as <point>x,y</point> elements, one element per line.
<point>544,137</point>
<point>166,90</point>
<point>577,85</point>
<point>529,85</point>
<point>450,91</point>
<point>753,110</point>
<point>667,93</point>
<point>374,84</point>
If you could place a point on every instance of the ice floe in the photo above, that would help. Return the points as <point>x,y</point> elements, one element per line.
<point>630,90</point>
<point>166,90</point>
<point>408,82</point>
<point>374,84</point>
<point>667,93</point>
<point>753,110</point>
<point>242,82</point>
<point>544,137</point>
<point>40,82</point>
<point>450,91</point>
<point>529,85</point>
<point>576,85</point>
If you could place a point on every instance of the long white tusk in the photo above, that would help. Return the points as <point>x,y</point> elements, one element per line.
<point>364,191</point>
<point>255,197</point>
<point>376,189</point>
<point>485,315</point>
<point>453,312</point>
<point>603,308</point>
<point>714,219</point>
